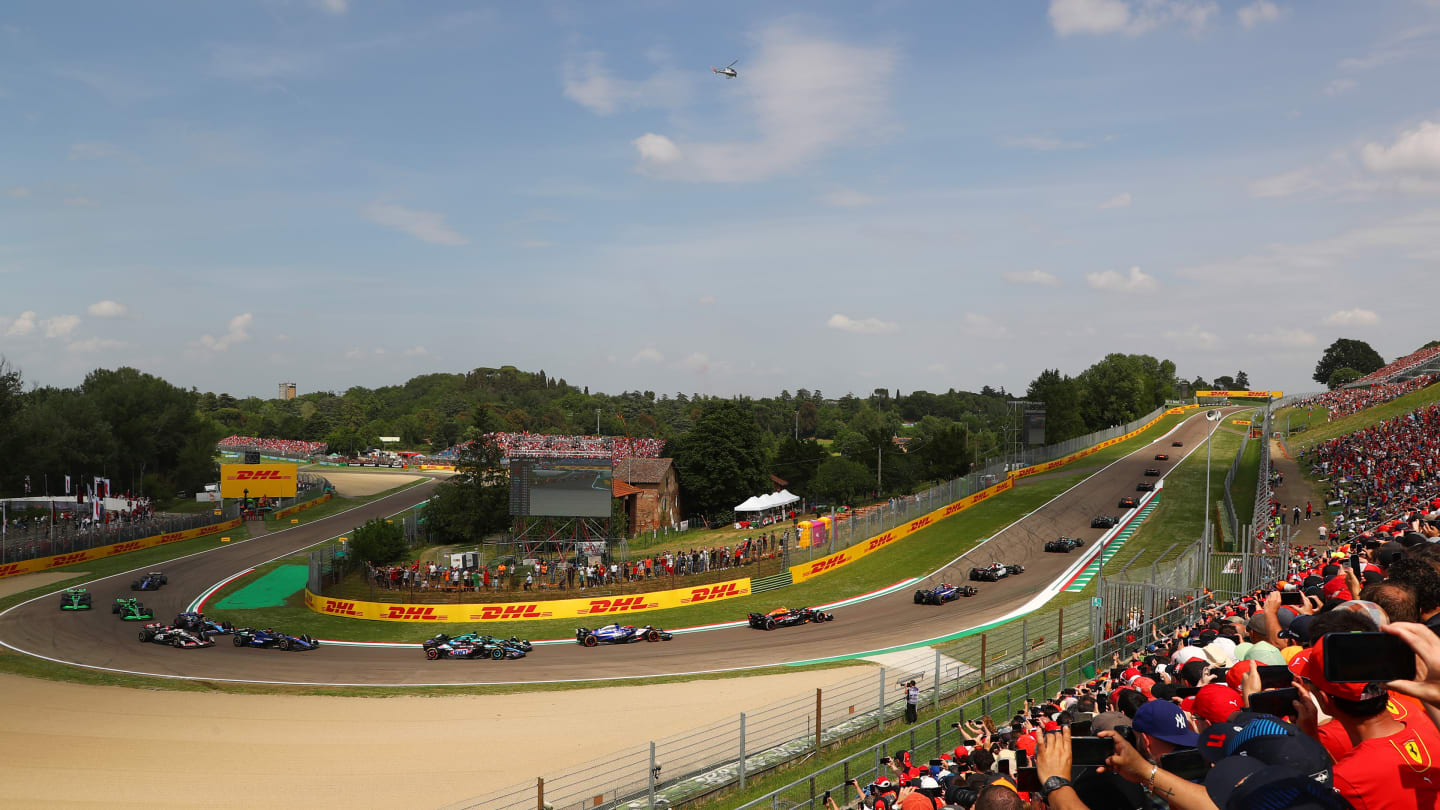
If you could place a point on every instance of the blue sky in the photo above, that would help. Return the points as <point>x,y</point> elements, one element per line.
<point>892,194</point>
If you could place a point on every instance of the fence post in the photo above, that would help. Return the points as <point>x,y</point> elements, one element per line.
<point>983,656</point>
<point>936,703</point>
<point>650,792</point>
<point>742,750</point>
<point>1060,635</point>
<point>539,793</point>
<point>880,706</point>
<point>817,722</point>
<point>1024,646</point>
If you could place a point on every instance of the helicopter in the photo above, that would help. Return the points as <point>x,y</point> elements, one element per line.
<point>728,71</point>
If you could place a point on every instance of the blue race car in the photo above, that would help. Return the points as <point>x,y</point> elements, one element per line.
<point>250,637</point>
<point>618,634</point>
<point>150,582</point>
<point>944,592</point>
<point>195,622</point>
<point>443,646</point>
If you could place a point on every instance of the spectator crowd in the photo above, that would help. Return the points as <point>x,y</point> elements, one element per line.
<point>292,447</point>
<point>1346,401</point>
<point>1400,364</point>
<point>544,444</point>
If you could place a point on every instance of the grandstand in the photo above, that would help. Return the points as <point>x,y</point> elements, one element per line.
<point>1424,361</point>
<point>518,445</point>
<point>290,447</point>
<point>1349,400</point>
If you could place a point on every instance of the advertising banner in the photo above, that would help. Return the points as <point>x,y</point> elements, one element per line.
<point>259,480</point>
<point>102,552</point>
<point>300,507</point>
<point>599,610</point>
<point>1241,394</point>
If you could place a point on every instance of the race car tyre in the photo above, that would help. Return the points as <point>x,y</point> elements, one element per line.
<point>590,641</point>
<point>285,644</point>
<point>769,624</point>
<point>432,653</point>
<point>164,580</point>
<point>146,635</point>
<point>114,608</point>
<point>239,642</point>
<point>819,618</point>
<point>135,586</point>
<point>498,654</point>
<point>919,598</point>
<point>177,643</point>
<point>652,635</point>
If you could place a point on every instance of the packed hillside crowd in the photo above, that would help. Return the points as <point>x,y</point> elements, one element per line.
<point>1400,364</point>
<point>561,574</point>
<point>542,444</point>
<point>1180,722</point>
<point>1346,401</point>
<point>291,447</point>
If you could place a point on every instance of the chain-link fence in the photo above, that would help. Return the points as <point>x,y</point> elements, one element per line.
<point>67,536</point>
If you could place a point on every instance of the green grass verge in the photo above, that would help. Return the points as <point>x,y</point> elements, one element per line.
<point>1180,517</point>
<point>12,663</point>
<point>1322,431</point>
<point>335,506</point>
<point>1246,478</point>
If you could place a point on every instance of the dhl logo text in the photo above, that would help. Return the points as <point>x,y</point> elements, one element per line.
<point>494,612</point>
<point>722,591</point>
<point>259,475</point>
<point>121,548</point>
<point>9,570</point>
<point>919,524</point>
<point>413,614</point>
<point>67,559</point>
<point>342,608</point>
<point>877,542</point>
<point>620,605</point>
<point>821,566</point>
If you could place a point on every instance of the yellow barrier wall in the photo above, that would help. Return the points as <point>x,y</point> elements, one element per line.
<point>102,552</point>
<point>607,606</point>
<point>300,507</point>
<point>1242,394</point>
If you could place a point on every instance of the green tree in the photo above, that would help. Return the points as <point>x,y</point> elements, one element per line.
<point>1347,353</point>
<point>842,480</point>
<point>1061,395</point>
<point>721,462</point>
<point>943,451</point>
<point>1343,376</point>
<point>475,504</point>
<point>1242,381</point>
<point>378,542</point>
<point>796,463</point>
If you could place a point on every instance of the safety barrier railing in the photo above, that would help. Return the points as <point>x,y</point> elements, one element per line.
<point>65,537</point>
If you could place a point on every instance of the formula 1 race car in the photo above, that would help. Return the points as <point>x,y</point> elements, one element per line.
<point>1064,545</point>
<point>263,639</point>
<point>1104,522</point>
<point>443,646</point>
<point>1145,486</point>
<point>131,609</point>
<point>1162,456</point>
<point>195,622</point>
<point>787,617</point>
<point>944,592</point>
<point>480,638</point>
<point>150,582</point>
<point>994,572</point>
<point>75,599</point>
<point>619,634</point>
<point>1153,472</point>
<point>1127,503</point>
<point>174,636</point>
<point>1177,444</point>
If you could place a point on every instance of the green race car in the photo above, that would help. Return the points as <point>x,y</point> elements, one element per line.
<point>75,599</point>
<point>131,610</point>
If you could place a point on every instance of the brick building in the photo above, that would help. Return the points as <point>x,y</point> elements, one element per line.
<point>651,493</point>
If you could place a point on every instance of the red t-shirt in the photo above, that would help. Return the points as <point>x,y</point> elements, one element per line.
<point>1404,708</point>
<point>1393,773</point>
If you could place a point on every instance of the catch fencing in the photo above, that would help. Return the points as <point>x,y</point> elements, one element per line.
<point>1231,533</point>
<point>65,537</point>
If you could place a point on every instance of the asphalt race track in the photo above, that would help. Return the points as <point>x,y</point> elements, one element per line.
<point>98,639</point>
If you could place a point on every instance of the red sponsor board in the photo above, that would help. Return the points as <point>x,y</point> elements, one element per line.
<point>515,612</point>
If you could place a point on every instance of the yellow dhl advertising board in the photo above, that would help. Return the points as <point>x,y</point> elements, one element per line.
<point>300,507</point>
<point>102,552</point>
<point>259,480</point>
<point>1241,394</point>
<point>606,609</point>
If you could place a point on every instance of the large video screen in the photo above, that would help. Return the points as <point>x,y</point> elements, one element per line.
<point>560,487</point>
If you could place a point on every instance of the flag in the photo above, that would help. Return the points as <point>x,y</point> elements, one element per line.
<point>27,485</point>
<point>67,485</point>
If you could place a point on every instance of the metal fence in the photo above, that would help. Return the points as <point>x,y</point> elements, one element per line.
<point>1231,533</point>
<point>64,537</point>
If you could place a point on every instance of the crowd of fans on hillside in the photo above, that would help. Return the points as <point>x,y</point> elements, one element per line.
<point>1346,401</point>
<point>1183,723</point>
<point>544,444</point>
<point>1400,364</point>
<point>292,447</point>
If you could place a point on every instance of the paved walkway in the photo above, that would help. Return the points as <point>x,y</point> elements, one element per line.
<point>1296,491</point>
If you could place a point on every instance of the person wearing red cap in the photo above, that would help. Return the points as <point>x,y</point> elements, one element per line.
<point>1393,764</point>
<point>1214,703</point>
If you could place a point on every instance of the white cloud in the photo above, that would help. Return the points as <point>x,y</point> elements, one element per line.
<point>1259,12</point>
<point>415,351</point>
<point>1416,150</point>
<point>106,309</point>
<point>649,354</point>
<point>1130,17</point>
<point>334,6</point>
<point>1042,143</point>
<point>1283,185</point>
<point>698,362</point>
<point>862,326</point>
<point>18,192</point>
<point>1134,280</point>
<point>1121,200</point>
<point>60,325</point>
<point>707,301</point>
<point>94,344</point>
<point>1352,317</point>
<point>21,326</point>
<point>427,226</point>
<point>93,150</point>
<point>805,95</point>
<point>1037,277</point>
<point>846,198</point>
<point>588,83</point>
<point>1194,337</point>
<point>238,331</point>
<point>1340,86</point>
<point>1283,338</point>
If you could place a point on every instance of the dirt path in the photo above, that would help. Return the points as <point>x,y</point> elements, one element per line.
<point>71,745</point>
<point>1296,491</point>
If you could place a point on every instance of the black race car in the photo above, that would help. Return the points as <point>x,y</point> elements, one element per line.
<point>150,582</point>
<point>944,592</point>
<point>1145,486</point>
<point>1127,503</point>
<point>75,599</point>
<point>1153,472</point>
<point>1177,444</point>
<point>174,636</point>
<point>994,572</point>
<point>1064,545</point>
<point>1162,457</point>
<point>195,622</point>
<point>786,617</point>
<point>1104,522</point>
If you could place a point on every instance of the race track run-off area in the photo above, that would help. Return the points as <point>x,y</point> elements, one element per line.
<point>97,640</point>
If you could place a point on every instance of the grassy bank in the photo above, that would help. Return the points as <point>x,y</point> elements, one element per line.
<point>1322,431</point>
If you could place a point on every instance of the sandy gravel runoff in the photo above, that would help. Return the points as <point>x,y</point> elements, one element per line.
<point>365,484</point>
<point>68,745</point>
<point>10,586</point>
